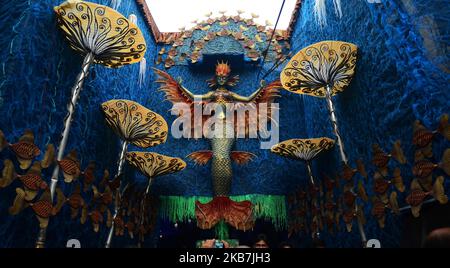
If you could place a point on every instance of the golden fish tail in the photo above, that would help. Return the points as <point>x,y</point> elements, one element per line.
<point>19,203</point>
<point>438,190</point>
<point>398,180</point>
<point>444,127</point>
<point>8,174</point>
<point>445,162</point>
<point>397,153</point>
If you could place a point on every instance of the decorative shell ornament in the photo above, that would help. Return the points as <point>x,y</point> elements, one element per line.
<point>134,123</point>
<point>316,66</point>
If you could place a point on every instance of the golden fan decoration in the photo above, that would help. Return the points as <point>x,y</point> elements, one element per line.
<point>108,35</point>
<point>134,123</point>
<point>322,70</point>
<point>303,149</point>
<point>153,164</point>
<point>103,36</point>
<point>327,63</point>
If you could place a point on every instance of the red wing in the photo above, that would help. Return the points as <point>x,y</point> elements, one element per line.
<point>173,90</point>
<point>175,93</point>
<point>267,95</point>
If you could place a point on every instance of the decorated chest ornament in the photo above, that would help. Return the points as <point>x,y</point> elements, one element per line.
<point>212,35</point>
<point>221,208</point>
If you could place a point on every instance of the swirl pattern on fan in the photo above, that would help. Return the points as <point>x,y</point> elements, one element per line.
<point>325,63</point>
<point>97,29</point>
<point>153,164</point>
<point>134,123</point>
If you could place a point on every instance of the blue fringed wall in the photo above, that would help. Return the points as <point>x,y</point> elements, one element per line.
<point>399,77</point>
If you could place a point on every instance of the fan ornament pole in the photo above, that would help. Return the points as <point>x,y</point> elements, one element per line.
<point>102,36</point>
<point>323,70</point>
<point>334,121</point>
<point>135,124</point>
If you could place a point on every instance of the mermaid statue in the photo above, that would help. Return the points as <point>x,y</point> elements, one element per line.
<point>237,214</point>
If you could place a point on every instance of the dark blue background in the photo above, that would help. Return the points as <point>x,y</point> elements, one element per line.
<point>402,74</point>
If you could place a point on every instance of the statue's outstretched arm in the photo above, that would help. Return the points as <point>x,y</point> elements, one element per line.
<point>240,98</point>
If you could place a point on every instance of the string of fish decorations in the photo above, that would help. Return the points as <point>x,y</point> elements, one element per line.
<point>332,200</point>
<point>90,200</point>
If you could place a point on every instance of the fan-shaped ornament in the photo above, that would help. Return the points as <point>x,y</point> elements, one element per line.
<point>135,124</point>
<point>153,165</point>
<point>303,149</point>
<point>103,36</point>
<point>322,70</point>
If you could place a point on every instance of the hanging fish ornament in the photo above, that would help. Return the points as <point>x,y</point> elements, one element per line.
<point>43,208</point>
<point>32,181</point>
<point>88,176</point>
<point>361,169</point>
<point>381,185</point>
<point>75,201</point>
<point>70,166</point>
<point>25,149</point>
<point>423,137</point>
<point>417,196</point>
<point>424,168</point>
<point>380,159</point>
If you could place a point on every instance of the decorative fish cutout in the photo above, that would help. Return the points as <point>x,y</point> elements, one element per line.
<point>348,217</point>
<point>381,159</point>
<point>422,137</point>
<point>349,198</point>
<point>88,176</point>
<point>96,219</point>
<point>44,209</point>
<point>379,211</point>
<point>417,195</point>
<point>70,167</point>
<point>381,185</point>
<point>424,168</point>
<point>105,198</point>
<point>361,169</point>
<point>49,156</point>
<point>362,191</point>
<point>347,172</point>
<point>32,181</point>
<point>75,201</point>
<point>25,149</point>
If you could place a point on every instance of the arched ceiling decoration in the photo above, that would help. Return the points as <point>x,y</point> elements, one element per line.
<point>225,32</point>
<point>170,37</point>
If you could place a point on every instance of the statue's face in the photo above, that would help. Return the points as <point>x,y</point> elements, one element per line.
<point>222,79</point>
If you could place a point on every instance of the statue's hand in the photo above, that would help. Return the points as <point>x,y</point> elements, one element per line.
<point>263,83</point>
